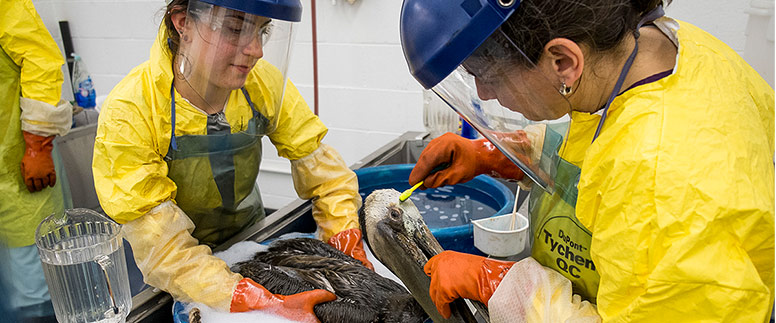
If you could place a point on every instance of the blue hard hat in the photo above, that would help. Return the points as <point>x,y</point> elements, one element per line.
<point>288,10</point>
<point>438,35</point>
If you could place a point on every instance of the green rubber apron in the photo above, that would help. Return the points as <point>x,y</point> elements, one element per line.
<point>560,241</point>
<point>216,177</point>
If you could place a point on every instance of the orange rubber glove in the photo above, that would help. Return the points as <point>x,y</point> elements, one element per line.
<point>467,158</point>
<point>37,165</point>
<point>461,275</point>
<point>249,295</point>
<point>350,243</point>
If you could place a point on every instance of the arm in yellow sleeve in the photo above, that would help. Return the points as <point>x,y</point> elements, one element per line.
<point>24,38</point>
<point>130,175</point>
<point>172,260</point>
<point>318,171</point>
<point>323,177</point>
<point>299,132</point>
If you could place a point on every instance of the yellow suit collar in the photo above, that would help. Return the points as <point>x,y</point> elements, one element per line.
<point>161,60</point>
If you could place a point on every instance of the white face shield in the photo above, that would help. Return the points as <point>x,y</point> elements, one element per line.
<point>220,47</point>
<point>502,94</point>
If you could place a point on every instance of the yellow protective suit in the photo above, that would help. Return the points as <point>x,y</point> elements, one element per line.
<point>131,176</point>
<point>678,191</point>
<point>30,83</point>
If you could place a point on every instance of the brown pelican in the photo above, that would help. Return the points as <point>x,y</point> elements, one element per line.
<point>394,228</point>
<point>295,265</point>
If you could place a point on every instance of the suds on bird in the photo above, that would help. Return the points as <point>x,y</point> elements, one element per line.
<point>295,265</point>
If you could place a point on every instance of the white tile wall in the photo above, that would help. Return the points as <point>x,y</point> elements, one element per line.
<point>367,96</point>
<point>725,20</point>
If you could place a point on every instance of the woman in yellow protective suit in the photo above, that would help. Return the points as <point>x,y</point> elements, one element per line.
<point>648,145</point>
<point>178,149</point>
<point>32,116</point>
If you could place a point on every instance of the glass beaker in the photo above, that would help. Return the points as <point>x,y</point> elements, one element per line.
<point>83,260</point>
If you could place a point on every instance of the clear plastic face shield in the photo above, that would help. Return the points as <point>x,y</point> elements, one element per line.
<point>220,47</point>
<point>511,102</point>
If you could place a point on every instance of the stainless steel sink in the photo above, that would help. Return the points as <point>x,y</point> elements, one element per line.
<point>150,305</point>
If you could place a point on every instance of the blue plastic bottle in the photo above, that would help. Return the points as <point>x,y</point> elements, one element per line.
<point>467,131</point>
<point>83,88</point>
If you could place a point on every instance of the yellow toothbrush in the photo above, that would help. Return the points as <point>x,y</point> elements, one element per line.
<point>406,194</point>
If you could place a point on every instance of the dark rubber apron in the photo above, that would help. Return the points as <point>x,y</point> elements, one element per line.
<point>216,177</point>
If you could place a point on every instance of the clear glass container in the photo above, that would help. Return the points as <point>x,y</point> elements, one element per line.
<point>83,260</point>
<point>438,118</point>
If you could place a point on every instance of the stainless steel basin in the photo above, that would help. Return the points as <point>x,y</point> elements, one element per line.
<point>152,306</point>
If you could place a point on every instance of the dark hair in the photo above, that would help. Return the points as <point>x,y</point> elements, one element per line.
<point>600,24</point>
<point>174,6</point>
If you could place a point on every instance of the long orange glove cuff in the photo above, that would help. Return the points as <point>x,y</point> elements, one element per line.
<point>467,159</point>
<point>492,162</point>
<point>460,275</point>
<point>350,243</point>
<point>37,165</point>
<point>249,295</point>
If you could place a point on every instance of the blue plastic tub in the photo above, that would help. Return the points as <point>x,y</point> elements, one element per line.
<point>483,197</point>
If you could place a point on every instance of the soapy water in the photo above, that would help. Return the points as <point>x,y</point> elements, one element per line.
<point>445,206</point>
<point>245,250</point>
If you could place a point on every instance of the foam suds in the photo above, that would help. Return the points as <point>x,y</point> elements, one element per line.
<point>245,250</point>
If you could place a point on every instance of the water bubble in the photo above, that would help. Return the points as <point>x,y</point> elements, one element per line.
<point>427,206</point>
<point>465,211</point>
<point>446,189</point>
<point>479,208</point>
<point>467,197</point>
<point>455,215</point>
<point>436,208</point>
<point>454,219</point>
<point>441,212</point>
<point>443,217</point>
<point>415,198</point>
<point>457,206</point>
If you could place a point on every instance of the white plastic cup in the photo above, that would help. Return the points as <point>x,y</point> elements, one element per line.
<point>493,236</point>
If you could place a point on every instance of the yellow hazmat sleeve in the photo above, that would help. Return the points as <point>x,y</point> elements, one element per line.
<point>27,41</point>
<point>323,177</point>
<point>299,131</point>
<point>172,260</point>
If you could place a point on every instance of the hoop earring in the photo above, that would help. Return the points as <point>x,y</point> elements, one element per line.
<point>564,89</point>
